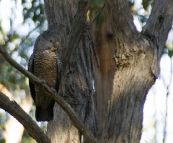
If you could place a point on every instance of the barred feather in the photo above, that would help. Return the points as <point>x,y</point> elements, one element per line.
<point>45,64</point>
<point>45,67</point>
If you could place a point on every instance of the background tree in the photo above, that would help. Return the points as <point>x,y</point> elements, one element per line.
<point>128,65</point>
<point>20,22</point>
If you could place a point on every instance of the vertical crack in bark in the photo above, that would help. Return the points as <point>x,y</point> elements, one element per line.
<point>134,60</point>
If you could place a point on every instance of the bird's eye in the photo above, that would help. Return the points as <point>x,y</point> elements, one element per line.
<point>50,40</point>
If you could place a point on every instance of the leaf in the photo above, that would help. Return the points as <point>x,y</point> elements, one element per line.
<point>23,1</point>
<point>145,4</point>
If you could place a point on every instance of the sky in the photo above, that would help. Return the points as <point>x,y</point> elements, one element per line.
<point>160,97</point>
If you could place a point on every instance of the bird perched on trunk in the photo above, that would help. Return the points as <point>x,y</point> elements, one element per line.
<point>44,63</point>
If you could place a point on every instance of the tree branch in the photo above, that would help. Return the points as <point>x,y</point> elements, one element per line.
<point>15,110</point>
<point>159,23</point>
<point>24,38</point>
<point>54,95</point>
<point>157,28</point>
<point>76,31</point>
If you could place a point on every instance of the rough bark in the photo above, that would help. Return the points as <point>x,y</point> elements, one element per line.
<point>77,81</point>
<point>13,129</point>
<point>137,57</point>
<point>15,110</point>
<point>105,70</point>
<point>137,66</point>
<point>53,94</point>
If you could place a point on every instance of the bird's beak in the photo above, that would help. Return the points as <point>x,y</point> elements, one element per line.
<point>56,45</point>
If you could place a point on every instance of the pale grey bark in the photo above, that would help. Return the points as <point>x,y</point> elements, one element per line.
<point>137,59</point>
<point>136,56</point>
<point>13,129</point>
<point>137,66</point>
<point>15,110</point>
<point>68,19</point>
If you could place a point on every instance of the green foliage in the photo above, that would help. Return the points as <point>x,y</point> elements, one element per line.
<point>19,46</point>
<point>131,3</point>
<point>2,140</point>
<point>96,10</point>
<point>99,20</point>
<point>28,140</point>
<point>170,53</point>
<point>142,18</point>
<point>96,4</point>
<point>36,11</point>
<point>146,3</point>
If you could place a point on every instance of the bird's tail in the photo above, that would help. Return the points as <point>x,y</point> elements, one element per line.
<point>44,114</point>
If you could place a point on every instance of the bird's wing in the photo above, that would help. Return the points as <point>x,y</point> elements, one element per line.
<point>59,73</point>
<point>31,69</point>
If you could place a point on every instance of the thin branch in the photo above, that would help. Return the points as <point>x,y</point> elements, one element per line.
<point>23,39</point>
<point>157,28</point>
<point>16,111</point>
<point>76,31</point>
<point>54,95</point>
<point>159,23</point>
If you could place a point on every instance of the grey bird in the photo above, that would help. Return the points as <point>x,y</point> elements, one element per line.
<point>44,63</point>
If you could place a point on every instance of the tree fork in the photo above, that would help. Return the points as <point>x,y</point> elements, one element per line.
<point>137,59</point>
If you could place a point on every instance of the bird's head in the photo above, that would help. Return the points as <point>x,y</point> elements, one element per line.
<point>46,41</point>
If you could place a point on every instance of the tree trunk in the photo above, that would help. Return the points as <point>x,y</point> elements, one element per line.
<point>68,20</point>
<point>137,58</point>
<point>128,60</point>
